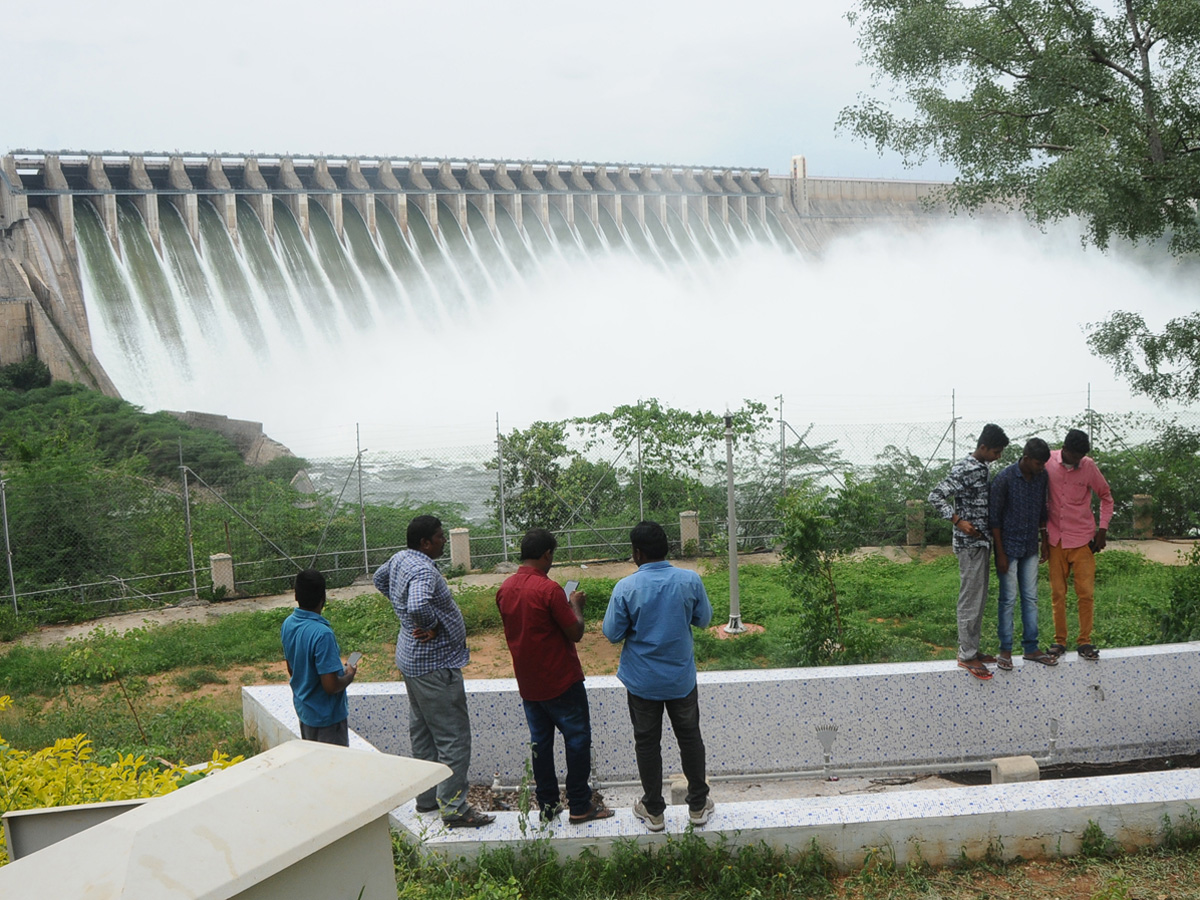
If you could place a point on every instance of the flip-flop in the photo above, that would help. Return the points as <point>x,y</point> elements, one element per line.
<point>976,668</point>
<point>1046,659</point>
<point>1088,652</point>
<point>1056,650</point>
<point>595,811</point>
<point>1004,661</point>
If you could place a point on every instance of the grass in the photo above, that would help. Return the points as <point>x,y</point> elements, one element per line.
<point>901,612</point>
<point>689,867</point>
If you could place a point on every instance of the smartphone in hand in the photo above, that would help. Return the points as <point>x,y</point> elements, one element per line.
<point>354,658</point>
<point>571,587</point>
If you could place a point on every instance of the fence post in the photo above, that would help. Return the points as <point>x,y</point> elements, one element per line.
<point>500,472</point>
<point>187,520</point>
<point>221,567</point>
<point>12,582</point>
<point>689,533</point>
<point>1143,516</point>
<point>362,510</point>
<point>460,548</point>
<point>915,517</point>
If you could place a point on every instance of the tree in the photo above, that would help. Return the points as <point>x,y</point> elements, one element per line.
<point>1060,106</point>
<point>1162,366</point>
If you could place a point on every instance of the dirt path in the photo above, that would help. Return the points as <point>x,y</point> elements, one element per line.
<point>1160,551</point>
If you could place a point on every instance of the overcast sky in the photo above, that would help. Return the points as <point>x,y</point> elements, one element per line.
<point>731,84</point>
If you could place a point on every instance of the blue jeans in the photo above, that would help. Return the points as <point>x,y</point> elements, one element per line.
<point>1022,575</point>
<point>569,713</point>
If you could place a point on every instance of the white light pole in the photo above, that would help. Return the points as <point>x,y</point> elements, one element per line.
<point>735,625</point>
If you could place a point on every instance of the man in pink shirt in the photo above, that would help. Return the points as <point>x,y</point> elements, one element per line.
<point>1071,540</point>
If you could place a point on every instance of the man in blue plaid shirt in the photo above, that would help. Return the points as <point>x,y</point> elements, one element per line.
<point>431,650</point>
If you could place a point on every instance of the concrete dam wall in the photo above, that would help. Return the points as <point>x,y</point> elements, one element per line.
<point>127,263</point>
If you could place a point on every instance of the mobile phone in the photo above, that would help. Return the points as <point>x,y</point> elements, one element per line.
<point>571,587</point>
<point>354,658</point>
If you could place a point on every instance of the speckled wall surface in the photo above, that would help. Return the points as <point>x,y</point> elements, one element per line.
<point>1133,703</point>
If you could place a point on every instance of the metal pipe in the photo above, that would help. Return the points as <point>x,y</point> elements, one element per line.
<point>187,518</point>
<point>735,625</point>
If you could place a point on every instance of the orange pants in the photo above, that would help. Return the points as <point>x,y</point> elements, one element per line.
<point>1080,562</point>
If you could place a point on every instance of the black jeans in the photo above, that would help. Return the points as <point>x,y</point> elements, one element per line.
<point>646,716</point>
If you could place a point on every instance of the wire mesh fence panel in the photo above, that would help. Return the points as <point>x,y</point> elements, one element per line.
<point>94,540</point>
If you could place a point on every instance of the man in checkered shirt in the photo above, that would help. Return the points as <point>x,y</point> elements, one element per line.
<point>431,651</point>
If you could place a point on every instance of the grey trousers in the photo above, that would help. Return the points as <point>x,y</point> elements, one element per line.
<point>974,563</point>
<point>440,731</point>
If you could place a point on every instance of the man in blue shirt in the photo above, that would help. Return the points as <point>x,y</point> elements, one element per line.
<point>1017,517</point>
<point>431,650</point>
<point>653,612</point>
<point>314,662</point>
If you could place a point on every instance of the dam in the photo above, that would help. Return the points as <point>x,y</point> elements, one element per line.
<point>118,268</point>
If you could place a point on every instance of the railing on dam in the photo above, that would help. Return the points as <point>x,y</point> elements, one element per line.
<point>625,192</point>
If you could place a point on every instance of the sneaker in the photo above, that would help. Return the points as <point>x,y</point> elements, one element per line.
<point>468,818</point>
<point>700,816</point>
<point>652,823</point>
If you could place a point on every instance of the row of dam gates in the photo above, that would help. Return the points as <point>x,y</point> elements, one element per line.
<point>113,264</point>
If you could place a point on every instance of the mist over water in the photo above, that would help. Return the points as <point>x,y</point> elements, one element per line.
<point>882,329</point>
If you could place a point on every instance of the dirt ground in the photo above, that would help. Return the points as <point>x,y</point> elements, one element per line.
<point>489,655</point>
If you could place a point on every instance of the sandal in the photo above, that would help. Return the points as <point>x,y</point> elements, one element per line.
<point>595,811</point>
<point>976,668</point>
<point>985,658</point>
<point>472,818</point>
<point>1004,660</point>
<point>1039,656</point>
<point>1088,652</point>
<point>1056,650</point>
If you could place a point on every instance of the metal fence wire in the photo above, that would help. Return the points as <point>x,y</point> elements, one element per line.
<point>104,541</point>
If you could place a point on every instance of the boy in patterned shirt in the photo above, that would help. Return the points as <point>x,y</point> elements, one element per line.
<point>967,483</point>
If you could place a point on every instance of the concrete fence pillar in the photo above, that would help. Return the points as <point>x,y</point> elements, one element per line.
<point>460,548</point>
<point>915,520</point>
<point>689,532</point>
<point>1143,516</point>
<point>221,566</point>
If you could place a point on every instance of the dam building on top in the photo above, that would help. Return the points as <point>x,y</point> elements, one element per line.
<point>121,262</point>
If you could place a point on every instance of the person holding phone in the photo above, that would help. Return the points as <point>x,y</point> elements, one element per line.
<point>314,663</point>
<point>542,624</point>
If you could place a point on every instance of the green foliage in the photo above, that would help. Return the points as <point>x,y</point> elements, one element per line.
<point>1161,365</point>
<point>65,773</point>
<point>553,479</point>
<point>25,375</point>
<point>818,526</point>
<point>1096,844</point>
<point>1064,108</point>
<point>1181,622</point>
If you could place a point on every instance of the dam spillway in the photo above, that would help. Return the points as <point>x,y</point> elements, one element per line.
<point>119,268</point>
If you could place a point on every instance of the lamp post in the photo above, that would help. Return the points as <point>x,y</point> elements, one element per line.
<point>735,625</point>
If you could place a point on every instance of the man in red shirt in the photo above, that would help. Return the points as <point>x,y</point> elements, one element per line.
<point>1072,540</point>
<point>542,626</point>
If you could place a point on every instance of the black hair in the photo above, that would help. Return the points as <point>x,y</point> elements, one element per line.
<point>536,542</point>
<point>1036,448</point>
<point>310,589</point>
<point>1077,442</point>
<point>422,528</point>
<point>993,437</point>
<point>651,539</point>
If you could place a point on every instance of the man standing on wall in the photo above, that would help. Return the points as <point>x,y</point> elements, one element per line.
<point>1073,540</point>
<point>967,482</point>
<point>431,650</point>
<point>1016,515</point>
<point>542,626</point>
<point>314,664</point>
<point>653,611</point>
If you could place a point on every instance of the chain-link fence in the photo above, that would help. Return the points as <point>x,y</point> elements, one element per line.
<point>94,541</point>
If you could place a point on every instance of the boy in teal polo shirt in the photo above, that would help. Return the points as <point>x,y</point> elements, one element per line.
<point>314,662</point>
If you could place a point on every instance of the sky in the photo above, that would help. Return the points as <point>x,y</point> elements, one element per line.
<point>883,329</point>
<point>699,83</point>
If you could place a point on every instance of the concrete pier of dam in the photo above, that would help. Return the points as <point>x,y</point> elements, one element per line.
<point>42,304</point>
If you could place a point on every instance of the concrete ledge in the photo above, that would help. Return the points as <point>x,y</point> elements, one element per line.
<point>1032,820</point>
